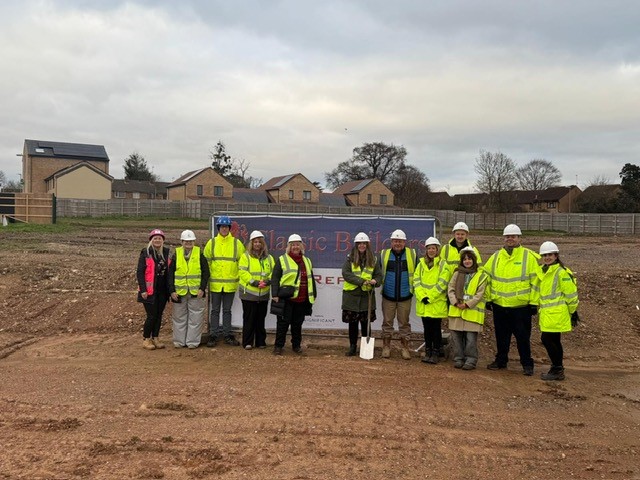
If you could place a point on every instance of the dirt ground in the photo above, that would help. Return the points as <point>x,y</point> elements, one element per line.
<point>80,398</point>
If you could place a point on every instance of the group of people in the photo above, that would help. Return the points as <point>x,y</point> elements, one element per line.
<point>449,282</point>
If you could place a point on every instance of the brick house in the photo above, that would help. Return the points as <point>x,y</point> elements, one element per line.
<point>139,189</point>
<point>553,199</point>
<point>366,193</point>
<point>294,188</point>
<point>44,164</point>
<point>198,184</point>
<point>81,181</point>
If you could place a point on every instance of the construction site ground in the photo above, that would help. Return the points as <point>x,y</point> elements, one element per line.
<point>80,398</point>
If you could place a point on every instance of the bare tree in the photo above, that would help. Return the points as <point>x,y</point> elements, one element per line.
<point>3,179</point>
<point>538,174</point>
<point>371,160</point>
<point>409,187</point>
<point>496,176</point>
<point>600,179</point>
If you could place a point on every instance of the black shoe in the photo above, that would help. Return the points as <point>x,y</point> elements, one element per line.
<point>277,350</point>
<point>297,350</point>
<point>528,371</point>
<point>231,340</point>
<point>553,374</point>
<point>458,364</point>
<point>496,366</point>
<point>212,342</point>
<point>351,352</point>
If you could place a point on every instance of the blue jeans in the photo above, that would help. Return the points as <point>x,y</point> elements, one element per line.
<point>218,300</point>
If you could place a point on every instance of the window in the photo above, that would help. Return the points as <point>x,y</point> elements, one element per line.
<point>306,195</point>
<point>119,195</point>
<point>368,198</point>
<point>290,194</point>
<point>136,194</point>
<point>551,204</point>
<point>383,199</point>
<point>218,191</point>
<point>199,190</point>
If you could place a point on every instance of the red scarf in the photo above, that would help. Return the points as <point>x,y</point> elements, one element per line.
<point>303,291</point>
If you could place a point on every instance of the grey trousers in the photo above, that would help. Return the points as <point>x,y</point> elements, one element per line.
<point>188,316</point>
<point>222,300</point>
<point>465,347</point>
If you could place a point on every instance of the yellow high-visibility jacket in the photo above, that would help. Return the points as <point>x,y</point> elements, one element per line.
<point>188,274</point>
<point>432,284</point>
<point>251,271</point>
<point>556,295</point>
<point>451,255</point>
<point>512,276</point>
<point>223,254</point>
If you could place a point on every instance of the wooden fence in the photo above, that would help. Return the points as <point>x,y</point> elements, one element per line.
<point>28,207</point>
<point>581,223</point>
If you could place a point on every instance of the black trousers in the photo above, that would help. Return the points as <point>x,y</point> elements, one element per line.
<point>353,331</point>
<point>293,317</point>
<point>154,316</point>
<point>432,333</point>
<point>553,344</point>
<point>253,315</point>
<point>517,322</point>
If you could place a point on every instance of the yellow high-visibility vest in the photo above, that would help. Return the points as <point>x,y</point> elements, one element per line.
<point>188,274</point>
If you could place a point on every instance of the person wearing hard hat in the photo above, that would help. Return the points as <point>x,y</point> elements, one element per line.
<point>361,272</point>
<point>430,281</point>
<point>467,292</point>
<point>556,295</point>
<point>153,286</point>
<point>293,288</point>
<point>255,269</point>
<point>450,253</point>
<point>398,264</point>
<point>188,278</point>
<point>512,270</point>
<point>223,253</point>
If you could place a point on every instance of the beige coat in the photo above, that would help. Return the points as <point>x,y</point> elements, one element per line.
<point>458,323</point>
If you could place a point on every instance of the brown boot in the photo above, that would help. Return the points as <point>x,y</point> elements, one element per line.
<point>147,344</point>
<point>406,354</point>
<point>386,347</point>
<point>158,344</point>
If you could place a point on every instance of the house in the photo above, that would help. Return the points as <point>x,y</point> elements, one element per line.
<point>200,184</point>
<point>437,201</point>
<point>471,202</point>
<point>599,199</point>
<point>46,164</point>
<point>139,189</point>
<point>552,199</point>
<point>366,193</point>
<point>294,188</point>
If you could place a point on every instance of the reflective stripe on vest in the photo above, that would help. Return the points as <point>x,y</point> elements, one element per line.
<point>515,290</point>
<point>441,283</point>
<point>410,254</point>
<point>290,277</point>
<point>365,274</point>
<point>475,314</point>
<point>188,274</point>
<point>259,269</point>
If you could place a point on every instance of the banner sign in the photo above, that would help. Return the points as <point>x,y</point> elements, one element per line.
<point>328,240</point>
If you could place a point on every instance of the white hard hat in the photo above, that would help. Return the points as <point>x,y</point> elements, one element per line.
<point>294,238</point>
<point>548,247</point>
<point>460,226</point>
<point>187,235</point>
<point>361,237</point>
<point>256,234</point>
<point>512,229</point>
<point>470,250</point>
<point>432,241</point>
<point>398,235</point>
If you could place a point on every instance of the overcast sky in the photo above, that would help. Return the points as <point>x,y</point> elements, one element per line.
<point>294,86</point>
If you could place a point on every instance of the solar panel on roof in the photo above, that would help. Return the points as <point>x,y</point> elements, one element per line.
<point>361,185</point>
<point>75,149</point>
<point>283,181</point>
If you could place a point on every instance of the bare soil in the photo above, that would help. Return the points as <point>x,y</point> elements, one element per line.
<point>80,398</point>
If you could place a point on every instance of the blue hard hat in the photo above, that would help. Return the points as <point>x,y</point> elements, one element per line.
<point>223,220</point>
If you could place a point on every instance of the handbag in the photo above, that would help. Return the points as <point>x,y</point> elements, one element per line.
<point>277,308</point>
<point>286,291</point>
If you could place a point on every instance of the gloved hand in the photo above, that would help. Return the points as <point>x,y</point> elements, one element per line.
<point>533,309</point>
<point>575,319</point>
<point>489,306</point>
<point>425,300</point>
